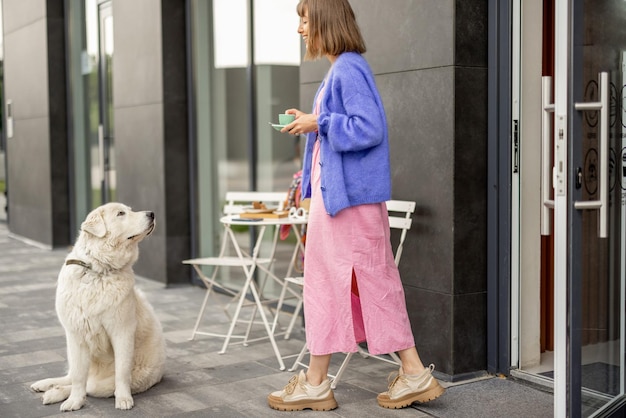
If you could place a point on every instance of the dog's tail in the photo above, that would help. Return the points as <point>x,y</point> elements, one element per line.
<point>144,378</point>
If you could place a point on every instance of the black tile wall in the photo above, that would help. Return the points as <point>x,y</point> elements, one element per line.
<point>429,58</point>
<point>470,179</point>
<point>471,33</point>
<point>469,335</point>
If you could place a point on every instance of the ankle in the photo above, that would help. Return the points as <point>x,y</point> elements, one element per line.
<point>413,370</point>
<point>314,379</point>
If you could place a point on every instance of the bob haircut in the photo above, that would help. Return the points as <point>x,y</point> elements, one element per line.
<point>332,28</point>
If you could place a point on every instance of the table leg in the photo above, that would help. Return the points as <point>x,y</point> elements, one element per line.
<point>242,298</point>
<point>255,294</point>
<point>299,247</point>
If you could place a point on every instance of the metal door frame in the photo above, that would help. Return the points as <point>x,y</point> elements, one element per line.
<point>499,170</point>
<point>566,317</point>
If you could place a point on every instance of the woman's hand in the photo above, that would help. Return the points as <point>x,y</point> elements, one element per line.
<point>304,123</point>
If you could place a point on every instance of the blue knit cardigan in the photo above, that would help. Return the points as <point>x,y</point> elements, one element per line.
<point>354,146</point>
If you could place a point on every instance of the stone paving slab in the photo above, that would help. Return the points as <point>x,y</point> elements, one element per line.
<point>198,381</point>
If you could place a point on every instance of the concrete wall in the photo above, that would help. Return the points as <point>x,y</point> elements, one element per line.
<point>430,61</point>
<point>150,111</point>
<point>34,80</point>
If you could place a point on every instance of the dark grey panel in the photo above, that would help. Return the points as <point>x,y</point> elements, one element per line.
<point>141,178</point>
<point>313,72</point>
<point>449,330</point>
<point>400,36</point>
<point>420,112</point>
<point>237,118</point>
<point>139,155</point>
<point>470,194</point>
<point>471,33</point>
<point>174,51</point>
<point>25,70</point>
<point>20,13</point>
<point>469,342</point>
<point>55,9</point>
<point>406,34</point>
<point>29,182</point>
<point>432,323</point>
<point>307,95</point>
<point>59,152</point>
<point>138,63</point>
<point>153,262</point>
<point>277,90</point>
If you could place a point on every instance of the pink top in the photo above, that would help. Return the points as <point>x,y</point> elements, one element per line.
<point>356,239</point>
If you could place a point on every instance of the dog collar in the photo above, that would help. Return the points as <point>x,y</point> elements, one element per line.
<point>78,262</point>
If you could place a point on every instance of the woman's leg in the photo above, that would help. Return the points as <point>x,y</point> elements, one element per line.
<point>414,383</point>
<point>310,391</point>
<point>411,362</point>
<point>318,369</point>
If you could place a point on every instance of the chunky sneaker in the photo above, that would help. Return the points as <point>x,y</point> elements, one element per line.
<point>299,395</point>
<point>405,389</point>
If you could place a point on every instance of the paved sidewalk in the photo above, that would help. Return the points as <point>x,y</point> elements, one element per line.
<point>198,381</point>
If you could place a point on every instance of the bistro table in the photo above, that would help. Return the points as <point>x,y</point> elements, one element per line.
<point>249,264</point>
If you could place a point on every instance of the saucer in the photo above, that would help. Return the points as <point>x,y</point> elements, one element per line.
<point>277,126</point>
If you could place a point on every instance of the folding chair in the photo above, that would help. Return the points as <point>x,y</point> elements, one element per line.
<point>236,202</point>
<point>400,218</point>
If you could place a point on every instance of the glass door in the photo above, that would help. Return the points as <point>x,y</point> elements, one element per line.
<point>587,135</point>
<point>102,147</point>
<point>570,272</point>
<point>90,75</point>
<point>235,98</point>
<point>596,203</point>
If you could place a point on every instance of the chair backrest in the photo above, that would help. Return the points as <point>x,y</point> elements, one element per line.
<point>400,217</point>
<point>237,202</point>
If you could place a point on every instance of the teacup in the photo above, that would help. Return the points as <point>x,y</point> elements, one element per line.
<point>286,119</point>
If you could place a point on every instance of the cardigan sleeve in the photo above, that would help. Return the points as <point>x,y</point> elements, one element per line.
<point>351,118</point>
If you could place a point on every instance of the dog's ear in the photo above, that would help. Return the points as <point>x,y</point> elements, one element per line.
<point>94,224</point>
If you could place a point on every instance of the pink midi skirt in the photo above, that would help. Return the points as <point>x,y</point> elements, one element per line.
<point>356,240</point>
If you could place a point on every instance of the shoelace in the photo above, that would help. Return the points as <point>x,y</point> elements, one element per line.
<point>393,378</point>
<point>291,385</point>
<point>397,376</point>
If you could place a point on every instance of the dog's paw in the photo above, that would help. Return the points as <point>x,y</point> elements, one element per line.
<point>42,385</point>
<point>56,394</point>
<point>124,402</point>
<point>47,384</point>
<point>73,404</point>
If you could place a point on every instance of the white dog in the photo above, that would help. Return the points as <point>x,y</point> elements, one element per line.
<point>115,342</point>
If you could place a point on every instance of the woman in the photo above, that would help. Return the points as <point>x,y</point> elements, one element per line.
<point>352,288</point>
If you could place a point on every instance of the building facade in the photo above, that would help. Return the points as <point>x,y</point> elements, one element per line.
<point>505,270</point>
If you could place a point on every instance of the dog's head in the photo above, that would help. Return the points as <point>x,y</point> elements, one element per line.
<point>119,223</point>
<point>112,231</point>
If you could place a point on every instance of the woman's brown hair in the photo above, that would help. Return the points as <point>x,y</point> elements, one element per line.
<point>332,28</point>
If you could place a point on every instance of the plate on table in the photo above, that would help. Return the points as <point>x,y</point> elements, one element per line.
<point>277,126</point>
<point>253,210</point>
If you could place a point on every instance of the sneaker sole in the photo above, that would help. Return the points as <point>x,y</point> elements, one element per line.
<point>328,404</point>
<point>403,402</point>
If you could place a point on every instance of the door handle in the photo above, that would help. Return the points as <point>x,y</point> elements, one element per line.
<point>547,162</point>
<point>602,106</point>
